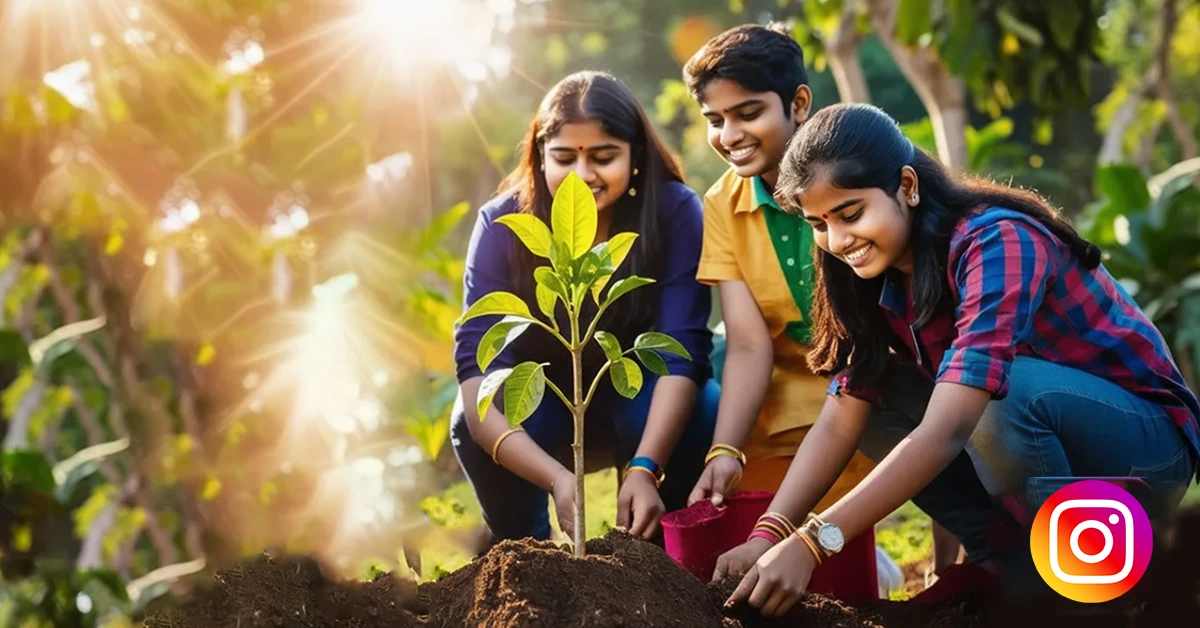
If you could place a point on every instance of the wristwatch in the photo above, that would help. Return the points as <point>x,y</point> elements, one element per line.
<point>827,536</point>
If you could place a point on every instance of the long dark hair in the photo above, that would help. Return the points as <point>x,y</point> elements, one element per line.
<point>856,146</point>
<point>600,97</point>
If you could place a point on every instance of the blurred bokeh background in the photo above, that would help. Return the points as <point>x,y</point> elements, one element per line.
<point>231,238</point>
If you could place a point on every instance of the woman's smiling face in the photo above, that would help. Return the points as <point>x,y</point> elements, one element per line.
<point>602,161</point>
<point>865,228</point>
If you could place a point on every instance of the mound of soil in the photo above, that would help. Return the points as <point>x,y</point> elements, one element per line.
<point>293,592</point>
<point>625,582</point>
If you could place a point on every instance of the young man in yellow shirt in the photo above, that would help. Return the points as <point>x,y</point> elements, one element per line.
<point>752,87</point>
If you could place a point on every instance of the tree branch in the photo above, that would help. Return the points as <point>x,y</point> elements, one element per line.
<point>841,47</point>
<point>943,94</point>
<point>1179,127</point>
<point>1112,149</point>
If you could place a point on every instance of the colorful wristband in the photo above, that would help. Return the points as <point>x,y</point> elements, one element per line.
<point>647,465</point>
<point>760,533</point>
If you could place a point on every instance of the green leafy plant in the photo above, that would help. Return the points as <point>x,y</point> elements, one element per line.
<point>577,271</point>
<point>1149,230</point>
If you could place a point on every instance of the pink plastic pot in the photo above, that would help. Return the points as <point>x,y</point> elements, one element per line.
<point>695,537</point>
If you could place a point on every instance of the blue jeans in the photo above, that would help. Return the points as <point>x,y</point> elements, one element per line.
<point>515,509</point>
<point>1056,425</point>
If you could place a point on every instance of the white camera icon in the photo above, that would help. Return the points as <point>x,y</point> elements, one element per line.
<point>1092,524</point>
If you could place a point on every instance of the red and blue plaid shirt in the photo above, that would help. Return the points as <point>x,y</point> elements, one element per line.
<point>1018,290</point>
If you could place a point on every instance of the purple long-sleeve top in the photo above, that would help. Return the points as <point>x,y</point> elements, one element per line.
<point>683,305</point>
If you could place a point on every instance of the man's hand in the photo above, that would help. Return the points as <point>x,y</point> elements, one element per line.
<point>717,480</point>
<point>639,506</point>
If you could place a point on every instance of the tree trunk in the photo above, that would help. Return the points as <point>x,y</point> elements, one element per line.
<point>577,448</point>
<point>943,94</point>
<point>1182,131</point>
<point>1112,150</point>
<point>841,48</point>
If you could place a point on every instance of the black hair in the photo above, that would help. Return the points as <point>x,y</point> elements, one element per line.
<point>857,146</point>
<point>759,58</point>
<point>600,97</point>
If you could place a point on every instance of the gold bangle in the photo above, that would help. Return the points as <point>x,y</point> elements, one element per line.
<point>496,445</point>
<point>644,470</point>
<point>782,519</point>
<point>811,545</point>
<point>725,450</point>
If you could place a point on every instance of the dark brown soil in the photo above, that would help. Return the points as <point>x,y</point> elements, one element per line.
<point>293,592</point>
<point>626,583</point>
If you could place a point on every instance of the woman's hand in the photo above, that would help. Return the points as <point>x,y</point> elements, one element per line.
<point>778,579</point>
<point>563,492</point>
<point>639,506</point>
<point>739,560</point>
<point>718,479</point>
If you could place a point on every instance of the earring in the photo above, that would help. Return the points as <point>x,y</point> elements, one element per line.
<point>635,172</point>
<point>914,199</point>
<point>633,191</point>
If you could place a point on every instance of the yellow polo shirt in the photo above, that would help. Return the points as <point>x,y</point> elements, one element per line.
<point>738,247</point>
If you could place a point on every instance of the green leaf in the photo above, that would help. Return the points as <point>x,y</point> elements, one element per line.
<point>619,247</point>
<point>29,468</point>
<point>573,215</point>
<point>534,233</point>
<point>69,472</point>
<point>560,258</point>
<point>1021,29</point>
<point>653,362</point>
<point>498,337</point>
<point>627,378</point>
<point>505,303</point>
<point>590,267</point>
<point>545,276</point>
<point>656,341</point>
<point>614,253</point>
<point>1123,185</point>
<point>44,351</point>
<point>488,388</point>
<point>610,344</point>
<point>441,226</point>
<point>12,347</point>
<point>626,285</point>
<point>106,578</point>
<point>523,392</point>
<point>546,300</point>
<point>913,19</point>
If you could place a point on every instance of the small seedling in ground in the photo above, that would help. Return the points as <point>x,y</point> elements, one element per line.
<point>576,272</point>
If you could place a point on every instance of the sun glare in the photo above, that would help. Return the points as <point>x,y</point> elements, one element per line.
<point>421,33</point>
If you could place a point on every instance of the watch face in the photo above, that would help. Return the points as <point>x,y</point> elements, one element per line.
<point>831,537</point>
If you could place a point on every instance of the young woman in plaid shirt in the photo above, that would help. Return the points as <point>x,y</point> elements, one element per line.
<point>978,303</point>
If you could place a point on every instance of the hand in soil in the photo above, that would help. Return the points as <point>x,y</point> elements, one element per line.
<point>639,506</point>
<point>778,579</point>
<point>738,561</point>
<point>719,477</point>
<point>564,501</point>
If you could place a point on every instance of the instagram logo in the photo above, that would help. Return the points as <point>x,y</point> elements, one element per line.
<point>1091,541</point>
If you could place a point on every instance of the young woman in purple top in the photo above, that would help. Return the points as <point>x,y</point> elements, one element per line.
<point>591,124</point>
